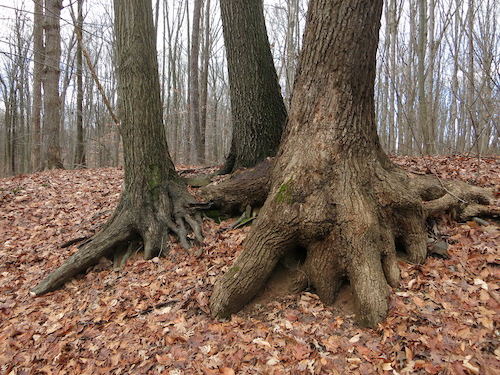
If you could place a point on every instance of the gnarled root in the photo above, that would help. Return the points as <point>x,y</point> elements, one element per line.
<point>463,200</point>
<point>133,218</point>
<point>348,232</point>
<point>248,187</point>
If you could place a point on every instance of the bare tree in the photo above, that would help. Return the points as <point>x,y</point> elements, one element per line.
<point>197,150</point>
<point>51,99</point>
<point>80,160</point>
<point>38,62</point>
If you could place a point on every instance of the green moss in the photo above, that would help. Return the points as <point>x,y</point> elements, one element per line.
<point>154,180</point>
<point>285,192</point>
<point>215,215</point>
<point>234,269</point>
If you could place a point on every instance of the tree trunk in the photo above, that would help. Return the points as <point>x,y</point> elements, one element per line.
<point>257,107</point>
<point>194,73</point>
<point>80,160</point>
<point>51,100</point>
<point>206,52</point>
<point>421,77</point>
<point>335,195</point>
<point>154,201</point>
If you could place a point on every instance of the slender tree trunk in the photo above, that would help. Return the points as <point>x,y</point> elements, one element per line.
<point>393,32</point>
<point>421,77</point>
<point>51,101</point>
<point>80,160</point>
<point>7,120</point>
<point>204,84</point>
<point>257,107</point>
<point>194,73</point>
<point>38,63</point>
<point>471,106</point>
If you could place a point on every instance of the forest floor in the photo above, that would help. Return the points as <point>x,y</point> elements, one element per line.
<point>152,317</point>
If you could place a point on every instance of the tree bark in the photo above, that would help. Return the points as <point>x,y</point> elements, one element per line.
<point>205,58</point>
<point>80,159</point>
<point>154,202</point>
<point>257,107</point>
<point>334,193</point>
<point>51,99</point>
<point>194,73</point>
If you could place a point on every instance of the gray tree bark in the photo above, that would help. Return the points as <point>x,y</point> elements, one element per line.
<point>51,99</point>
<point>38,62</point>
<point>80,159</point>
<point>194,72</point>
<point>257,107</point>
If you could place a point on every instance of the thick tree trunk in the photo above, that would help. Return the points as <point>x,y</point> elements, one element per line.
<point>38,61</point>
<point>335,197</point>
<point>257,107</point>
<point>154,201</point>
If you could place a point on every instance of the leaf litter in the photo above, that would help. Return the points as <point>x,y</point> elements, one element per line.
<point>152,317</point>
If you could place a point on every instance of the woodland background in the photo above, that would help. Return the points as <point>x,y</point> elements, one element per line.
<point>437,88</point>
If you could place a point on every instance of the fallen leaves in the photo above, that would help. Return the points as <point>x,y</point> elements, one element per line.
<point>153,317</point>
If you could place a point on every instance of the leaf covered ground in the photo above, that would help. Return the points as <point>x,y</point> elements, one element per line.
<point>151,317</point>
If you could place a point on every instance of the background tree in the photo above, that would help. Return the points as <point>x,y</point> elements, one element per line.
<point>197,148</point>
<point>80,160</point>
<point>51,99</point>
<point>257,107</point>
<point>154,200</point>
<point>459,81</point>
<point>337,205</point>
<point>38,61</point>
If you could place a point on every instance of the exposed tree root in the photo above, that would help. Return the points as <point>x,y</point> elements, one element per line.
<point>248,187</point>
<point>348,231</point>
<point>463,200</point>
<point>251,186</point>
<point>133,219</point>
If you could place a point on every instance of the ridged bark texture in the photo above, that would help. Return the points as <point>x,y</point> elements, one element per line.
<point>51,100</point>
<point>257,107</point>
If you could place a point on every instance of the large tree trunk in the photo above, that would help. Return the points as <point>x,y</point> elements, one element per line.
<point>154,201</point>
<point>257,107</point>
<point>336,200</point>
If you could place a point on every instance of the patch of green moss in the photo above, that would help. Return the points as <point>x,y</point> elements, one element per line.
<point>215,215</point>
<point>234,269</point>
<point>285,192</point>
